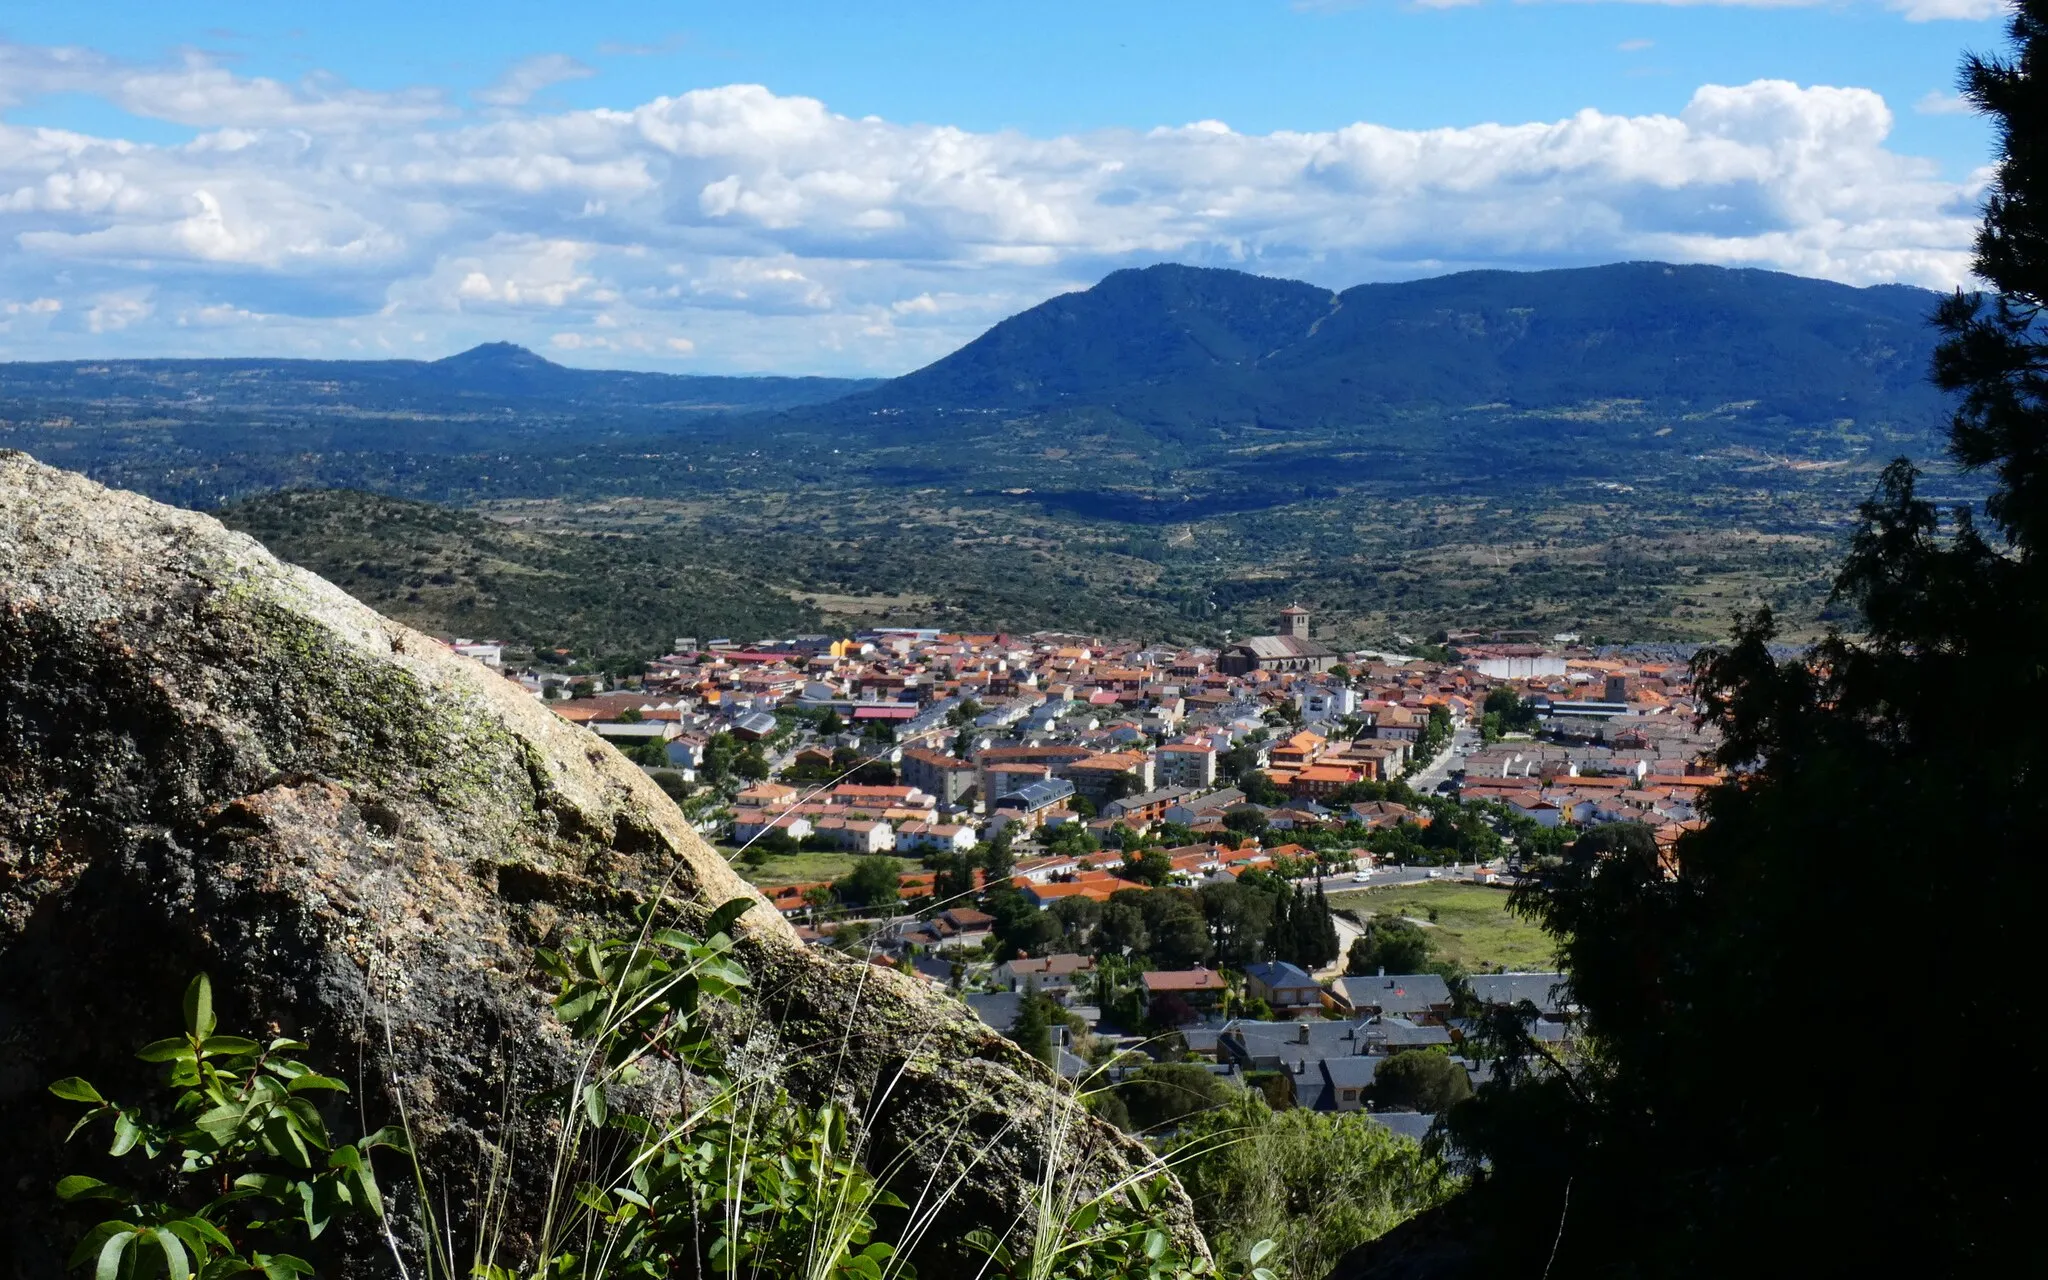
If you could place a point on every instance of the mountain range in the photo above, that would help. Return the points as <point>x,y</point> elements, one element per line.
<point>1166,380</point>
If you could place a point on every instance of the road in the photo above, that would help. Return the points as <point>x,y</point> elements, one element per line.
<point>1453,757</point>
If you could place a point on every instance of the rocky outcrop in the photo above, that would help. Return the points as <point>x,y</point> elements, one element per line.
<point>210,760</point>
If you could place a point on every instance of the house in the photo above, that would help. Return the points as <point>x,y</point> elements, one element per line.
<point>948,778</point>
<point>1053,975</point>
<point>1506,989</point>
<point>1346,1083</point>
<point>749,825</point>
<point>860,835</point>
<point>999,1009</point>
<point>918,837</point>
<point>1142,811</point>
<point>1199,989</point>
<point>958,927</point>
<point>1095,776</point>
<point>1286,988</point>
<point>1420,996</point>
<point>1394,1035</point>
<point>1189,765</point>
<point>1029,804</point>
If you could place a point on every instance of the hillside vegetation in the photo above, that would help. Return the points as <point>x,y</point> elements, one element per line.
<point>603,596</point>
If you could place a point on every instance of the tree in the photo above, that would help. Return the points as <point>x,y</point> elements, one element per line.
<point>1078,918</point>
<point>1032,1031</point>
<point>1179,932</point>
<point>1318,1184</point>
<point>1389,944</point>
<point>1259,789</point>
<point>875,882</point>
<point>1164,1093</point>
<point>1420,1080</point>
<point>1121,930</point>
<point>995,856</point>
<point>1146,866</point>
<point>1857,753</point>
<point>1239,917</point>
<point>830,725</point>
<point>751,763</point>
<point>1245,820</point>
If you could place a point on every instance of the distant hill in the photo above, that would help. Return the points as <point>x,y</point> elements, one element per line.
<point>495,374</point>
<point>1175,346</point>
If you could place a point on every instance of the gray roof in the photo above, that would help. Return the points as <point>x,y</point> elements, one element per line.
<point>1285,1044</point>
<point>1397,993</point>
<point>1274,974</point>
<point>1351,1073</point>
<point>1409,1124</point>
<point>1283,647</point>
<point>1399,1033</point>
<point>998,1009</point>
<point>1037,795</point>
<point>1540,989</point>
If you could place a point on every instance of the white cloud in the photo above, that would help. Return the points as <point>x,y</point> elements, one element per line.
<point>780,235</point>
<point>524,79</point>
<point>1937,103</point>
<point>1635,46</point>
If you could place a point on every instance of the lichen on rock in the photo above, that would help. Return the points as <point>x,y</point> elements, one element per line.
<point>210,760</point>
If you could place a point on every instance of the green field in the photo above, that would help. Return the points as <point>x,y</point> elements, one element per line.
<point>1472,929</point>
<point>799,868</point>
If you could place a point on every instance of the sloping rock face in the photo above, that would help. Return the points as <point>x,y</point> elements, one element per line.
<point>213,761</point>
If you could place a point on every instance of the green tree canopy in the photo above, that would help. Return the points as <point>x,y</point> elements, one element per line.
<point>1389,943</point>
<point>1420,1080</point>
<point>874,882</point>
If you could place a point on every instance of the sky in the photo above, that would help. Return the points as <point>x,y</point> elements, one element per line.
<point>858,189</point>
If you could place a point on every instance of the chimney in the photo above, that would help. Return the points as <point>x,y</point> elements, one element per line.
<point>1301,1033</point>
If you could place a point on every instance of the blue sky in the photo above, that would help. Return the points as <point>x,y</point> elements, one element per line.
<point>837,188</point>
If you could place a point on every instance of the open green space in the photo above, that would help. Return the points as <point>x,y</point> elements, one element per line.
<point>1472,927</point>
<point>798,868</point>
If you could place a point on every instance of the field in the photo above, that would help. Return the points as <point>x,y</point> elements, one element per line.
<point>1472,928</point>
<point>801,868</point>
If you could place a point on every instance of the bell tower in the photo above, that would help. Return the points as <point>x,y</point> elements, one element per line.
<point>1294,621</point>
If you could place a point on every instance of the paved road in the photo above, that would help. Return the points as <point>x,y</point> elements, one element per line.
<point>1453,757</point>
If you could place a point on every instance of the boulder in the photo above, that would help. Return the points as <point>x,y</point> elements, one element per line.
<point>210,760</point>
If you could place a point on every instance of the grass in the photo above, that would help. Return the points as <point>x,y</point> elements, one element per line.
<point>1473,928</point>
<point>798,868</point>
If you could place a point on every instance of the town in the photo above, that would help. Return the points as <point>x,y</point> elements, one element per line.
<point>1165,870</point>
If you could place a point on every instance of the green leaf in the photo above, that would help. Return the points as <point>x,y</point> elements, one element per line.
<point>177,1263</point>
<point>300,1084</point>
<point>1262,1251</point>
<point>73,1089</point>
<point>268,1185</point>
<point>95,1239</point>
<point>230,1046</point>
<point>80,1187</point>
<point>365,1182</point>
<point>723,919</point>
<point>594,1105</point>
<point>282,1266</point>
<point>177,1047</point>
<point>109,1267</point>
<point>1155,1245</point>
<point>199,1007</point>
<point>126,1134</point>
<point>200,1234</point>
<point>389,1136</point>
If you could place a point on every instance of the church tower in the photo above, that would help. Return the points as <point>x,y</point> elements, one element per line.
<point>1294,621</point>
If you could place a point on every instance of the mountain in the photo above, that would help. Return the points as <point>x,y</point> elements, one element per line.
<point>495,375</point>
<point>1175,346</point>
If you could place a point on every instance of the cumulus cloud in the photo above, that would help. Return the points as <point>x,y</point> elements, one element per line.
<point>743,229</point>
